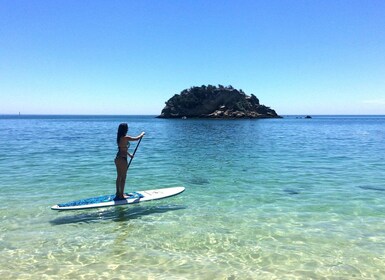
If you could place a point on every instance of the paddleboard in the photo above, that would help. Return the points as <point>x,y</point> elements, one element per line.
<point>109,200</point>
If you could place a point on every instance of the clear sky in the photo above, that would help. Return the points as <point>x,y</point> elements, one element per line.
<point>129,57</point>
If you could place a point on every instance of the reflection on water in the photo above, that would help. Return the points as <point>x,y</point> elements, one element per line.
<point>115,214</point>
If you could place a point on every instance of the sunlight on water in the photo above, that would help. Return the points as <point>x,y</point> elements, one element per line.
<point>265,199</point>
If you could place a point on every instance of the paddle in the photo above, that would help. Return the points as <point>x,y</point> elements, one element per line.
<point>133,154</point>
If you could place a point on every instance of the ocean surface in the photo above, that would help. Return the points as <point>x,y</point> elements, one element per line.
<point>289,198</point>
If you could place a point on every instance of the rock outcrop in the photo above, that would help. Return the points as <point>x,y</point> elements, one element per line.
<point>215,102</point>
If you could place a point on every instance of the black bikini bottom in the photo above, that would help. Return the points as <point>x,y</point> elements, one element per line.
<point>122,158</point>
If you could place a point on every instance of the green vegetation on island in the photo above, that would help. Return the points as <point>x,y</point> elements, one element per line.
<point>217,102</point>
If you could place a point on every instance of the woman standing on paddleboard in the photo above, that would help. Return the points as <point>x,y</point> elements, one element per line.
<point>121,163</point>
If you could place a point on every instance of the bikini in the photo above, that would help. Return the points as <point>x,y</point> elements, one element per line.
<point>121,154</point>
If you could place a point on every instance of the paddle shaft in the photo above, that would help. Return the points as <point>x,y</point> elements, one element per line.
<point>133,154</point>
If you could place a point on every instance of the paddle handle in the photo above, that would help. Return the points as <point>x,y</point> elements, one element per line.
<point>133,154</point>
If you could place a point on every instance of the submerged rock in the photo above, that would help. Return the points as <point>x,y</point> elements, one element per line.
<point>373,188</point>
<point>215,102</point>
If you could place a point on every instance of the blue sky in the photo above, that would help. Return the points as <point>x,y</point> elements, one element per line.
<point>129,57</point>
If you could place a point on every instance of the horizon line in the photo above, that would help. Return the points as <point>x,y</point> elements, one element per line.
<point>133,115</point>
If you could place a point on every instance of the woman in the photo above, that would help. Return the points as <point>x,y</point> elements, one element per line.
<point>121,158</point>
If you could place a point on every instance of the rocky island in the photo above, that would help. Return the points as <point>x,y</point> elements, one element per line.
<point>215,102</point>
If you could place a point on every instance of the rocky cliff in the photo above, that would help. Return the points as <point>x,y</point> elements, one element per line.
<point>215,102</point>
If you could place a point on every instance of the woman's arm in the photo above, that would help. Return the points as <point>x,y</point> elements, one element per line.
<point>136,138</point>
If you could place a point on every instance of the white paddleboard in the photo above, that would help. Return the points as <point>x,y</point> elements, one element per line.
<point>109,200</point>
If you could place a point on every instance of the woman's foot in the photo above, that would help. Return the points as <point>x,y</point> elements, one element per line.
<point>125,196</point>
<point>119,197</point>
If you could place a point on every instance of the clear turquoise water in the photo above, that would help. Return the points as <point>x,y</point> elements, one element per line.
<point>265,199</point>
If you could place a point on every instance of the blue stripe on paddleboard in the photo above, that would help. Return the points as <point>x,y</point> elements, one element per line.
<point>98,199</point>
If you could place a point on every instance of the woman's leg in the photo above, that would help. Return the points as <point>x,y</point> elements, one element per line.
<point>121,169</point>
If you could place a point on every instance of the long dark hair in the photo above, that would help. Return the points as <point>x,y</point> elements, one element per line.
<point>122,131</point>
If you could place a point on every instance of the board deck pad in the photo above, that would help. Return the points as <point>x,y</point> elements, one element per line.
<point>109,200</point>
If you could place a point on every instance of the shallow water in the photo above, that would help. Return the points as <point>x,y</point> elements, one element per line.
<point>265,199</point>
